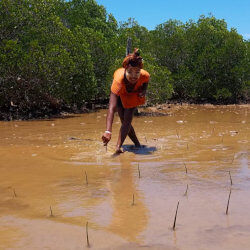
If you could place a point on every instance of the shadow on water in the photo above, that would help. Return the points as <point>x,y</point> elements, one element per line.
<point>143,150</point>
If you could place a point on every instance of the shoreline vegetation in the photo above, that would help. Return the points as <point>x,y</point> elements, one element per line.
<point>145,110</point>
<point>58,57</point>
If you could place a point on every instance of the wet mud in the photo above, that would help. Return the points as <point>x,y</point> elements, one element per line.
<point>56,176</point>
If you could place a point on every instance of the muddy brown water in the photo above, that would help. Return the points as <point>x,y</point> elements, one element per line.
<point>45,201</point>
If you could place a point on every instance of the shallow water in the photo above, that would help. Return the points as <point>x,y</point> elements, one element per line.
<point>46,200</point>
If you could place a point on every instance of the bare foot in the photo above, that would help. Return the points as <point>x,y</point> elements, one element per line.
<point>118,151</point>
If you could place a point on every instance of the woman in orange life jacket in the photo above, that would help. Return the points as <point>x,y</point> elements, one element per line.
<point>127,92</point>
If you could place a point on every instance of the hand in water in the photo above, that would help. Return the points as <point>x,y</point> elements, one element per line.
<point>106,138</point>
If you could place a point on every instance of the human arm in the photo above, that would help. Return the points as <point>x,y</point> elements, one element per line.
<point>110,117</point>
<point>143,89</point>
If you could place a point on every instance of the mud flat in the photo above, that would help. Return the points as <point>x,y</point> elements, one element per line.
<point>194,154</point>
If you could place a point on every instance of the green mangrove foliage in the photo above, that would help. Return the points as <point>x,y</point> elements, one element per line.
<point>60,55</point>
<point>207,61</point>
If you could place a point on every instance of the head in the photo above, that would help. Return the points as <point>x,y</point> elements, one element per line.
<point>133,65</point>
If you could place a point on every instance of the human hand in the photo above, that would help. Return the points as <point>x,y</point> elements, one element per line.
<point>106,138</point>
<point>142,93</point>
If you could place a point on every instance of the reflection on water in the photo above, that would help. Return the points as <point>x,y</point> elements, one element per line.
<point>44,165</point>
<point>129,217</point>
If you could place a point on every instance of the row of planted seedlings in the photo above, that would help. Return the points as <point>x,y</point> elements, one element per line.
<point>177,207</point>
<point>133,196</point>
<point>186,191</point>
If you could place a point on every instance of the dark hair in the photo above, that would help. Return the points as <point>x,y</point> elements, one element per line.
<point>134,60</point>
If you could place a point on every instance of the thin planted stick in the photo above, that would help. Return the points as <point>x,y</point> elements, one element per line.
<point>139,172</point>
<point>185,194</point>
<point>233,159</point>
<point>230,178</point>
<point>86,178</point>
<point>14,193</point>
<point>133,202</point>
<point>177,134</point>
<point>228,201</point>
<point>186,168</point>
<point>176,215</point>
<point>51,212</point>
<point>222,138</point>
<point>87,234</point>
<point>187,146</point>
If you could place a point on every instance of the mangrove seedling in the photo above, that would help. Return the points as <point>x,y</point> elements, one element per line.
<point>51,212</point>
<point>133,201</point>
<point>139,172</point>
<point>87,234</point>
<point>176,215</point>
<point>233,158</point>
<point>228,201</point>
<point>177,134</point>
<point>185,194</point>
<point>185,168</point>
<point>14,193</point>
<point>86,178</point>
<point>230,178</point>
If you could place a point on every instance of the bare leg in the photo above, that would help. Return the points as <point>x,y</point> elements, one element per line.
<point>124,130</point>
<point>131,132</point>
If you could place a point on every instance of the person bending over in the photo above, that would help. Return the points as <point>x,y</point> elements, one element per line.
<point>128,91</point>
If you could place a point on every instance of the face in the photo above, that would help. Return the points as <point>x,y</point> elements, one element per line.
<point>133,74</point>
